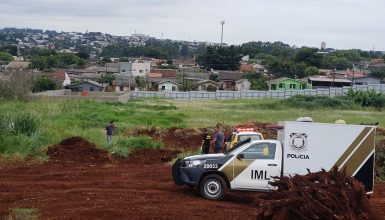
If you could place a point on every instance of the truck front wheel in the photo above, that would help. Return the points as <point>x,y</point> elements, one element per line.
<point>212,187</point>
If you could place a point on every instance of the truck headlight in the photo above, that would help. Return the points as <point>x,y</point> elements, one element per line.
<point>194,163</point>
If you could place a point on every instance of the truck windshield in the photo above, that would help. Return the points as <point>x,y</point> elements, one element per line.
<point>253,137</point>
<point>240,143</point>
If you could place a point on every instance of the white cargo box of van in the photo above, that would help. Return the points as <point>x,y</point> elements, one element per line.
<point>316,146</point>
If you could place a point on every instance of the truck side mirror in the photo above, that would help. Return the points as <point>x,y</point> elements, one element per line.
<point>240,156</point>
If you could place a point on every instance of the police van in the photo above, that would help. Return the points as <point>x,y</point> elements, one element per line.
<point>300,146</point>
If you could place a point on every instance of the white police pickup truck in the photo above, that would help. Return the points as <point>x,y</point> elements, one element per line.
<point>299,146</point>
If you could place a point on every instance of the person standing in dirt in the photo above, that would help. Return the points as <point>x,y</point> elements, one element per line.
<point>206,138</point>
<point>109,130</point>
<point>218,140</point>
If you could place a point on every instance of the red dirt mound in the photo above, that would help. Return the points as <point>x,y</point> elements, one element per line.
<point>77,149</point>
<point>152,156</point>
<point>261,127</point>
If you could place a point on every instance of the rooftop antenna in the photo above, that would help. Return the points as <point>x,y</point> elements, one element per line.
<point>222,23</point>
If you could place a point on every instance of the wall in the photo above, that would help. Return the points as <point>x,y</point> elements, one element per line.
<point>253,94</point>
<point>219,94</point>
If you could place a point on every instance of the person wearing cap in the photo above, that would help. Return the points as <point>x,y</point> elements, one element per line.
<point>218,140</point>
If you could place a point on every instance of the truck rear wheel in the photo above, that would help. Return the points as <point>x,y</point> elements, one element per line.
<point>212,187</point>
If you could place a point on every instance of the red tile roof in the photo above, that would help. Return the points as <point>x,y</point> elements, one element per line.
<point>59,75</point>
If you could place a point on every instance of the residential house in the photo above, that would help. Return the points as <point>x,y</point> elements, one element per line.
<point>58,77</point>
<point>124,85</point>
<point>259,68</point>
<point>168,85</point>
<point>153,82</point>
<point>196,76</point>
<point>134,69</point>
<point>365,80</point>
<point>328,81</point>
<point>247,68</point>
<point>204,85</point>
<point>242,84</point>
<point>184,62</point>
<point>14,66</point>
<point>284,83</point>
<point>85,86</point>
<point>229,79</point>
<point>164,73</point>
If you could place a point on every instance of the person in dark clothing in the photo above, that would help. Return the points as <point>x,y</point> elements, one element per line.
<point>218,141</point>
<point>206,138</point>
<point>109,131</point>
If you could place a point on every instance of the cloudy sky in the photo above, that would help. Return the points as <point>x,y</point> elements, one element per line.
<point>342,24</point>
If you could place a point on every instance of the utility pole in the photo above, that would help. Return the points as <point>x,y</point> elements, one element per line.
<point>222,23</point>
<point>334,76</point>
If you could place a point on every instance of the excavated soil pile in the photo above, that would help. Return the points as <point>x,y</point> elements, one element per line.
<point>77,149</point>
<point>321,195</point>
<point>152,156</point>
<point>261,127</point>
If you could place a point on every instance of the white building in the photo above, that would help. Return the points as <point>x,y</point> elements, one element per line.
<point>168,85</point>
<point>134,69</point>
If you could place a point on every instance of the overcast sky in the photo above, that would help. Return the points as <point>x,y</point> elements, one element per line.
<point>342,24</point>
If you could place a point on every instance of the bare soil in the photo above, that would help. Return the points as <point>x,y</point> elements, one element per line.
<point>80,181</point>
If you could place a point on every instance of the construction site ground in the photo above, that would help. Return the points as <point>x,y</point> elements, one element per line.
<point>81,181</point>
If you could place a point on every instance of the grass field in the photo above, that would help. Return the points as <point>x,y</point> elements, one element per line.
<point>28,127</point>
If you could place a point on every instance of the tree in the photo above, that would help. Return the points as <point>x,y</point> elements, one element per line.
<point>11,49</point>
<point>380,73</point>
<point>214,77</point>
<point>107,78</point>
<point>258,81</point>
<point>311,70</point>
<point>220,58</point>
<point>184,50</point>
<point>187,84</point>
<point>39,63</point>
<point>141,82</point>
<point>43,83</point>
<point>6,57</point>
<point>309,56</point>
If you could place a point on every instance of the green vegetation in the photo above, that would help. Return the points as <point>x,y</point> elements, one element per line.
<point>22,214</point>
<point>43,83</point>
<point>27,128</point>
<point>380,159</point>
<point>367,98</point>
<point>122,146</point>
<point>7,57</point>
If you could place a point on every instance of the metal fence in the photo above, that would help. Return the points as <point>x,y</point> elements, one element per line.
<point>254,94</point>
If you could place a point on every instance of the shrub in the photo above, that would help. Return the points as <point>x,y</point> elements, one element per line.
<point>211,88</point>
<point>122,146</point>
<point>314,102</point>
<point>25,123</point>
<point>23,213</point>
<point>138,142</point>
<point>368,98</point>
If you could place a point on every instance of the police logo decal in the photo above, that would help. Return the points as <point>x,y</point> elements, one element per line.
<point>298,142</point>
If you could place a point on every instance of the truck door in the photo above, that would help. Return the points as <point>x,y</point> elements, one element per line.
<point>254,166</point>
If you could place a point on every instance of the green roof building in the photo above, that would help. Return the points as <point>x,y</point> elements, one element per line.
<point>284,83</point>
